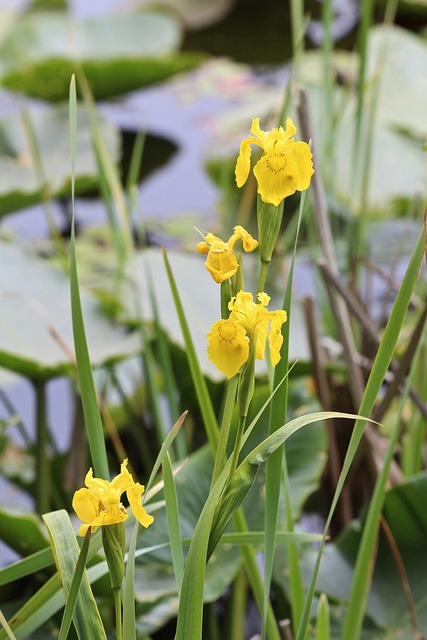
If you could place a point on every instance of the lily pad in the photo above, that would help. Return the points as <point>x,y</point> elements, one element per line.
<point>196,14</point>
<point>116,53</point>
<point>36,337</point>
<point>21,184</point>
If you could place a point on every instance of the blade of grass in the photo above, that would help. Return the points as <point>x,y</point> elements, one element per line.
<point>94,428</point>
<point>362,574</point>
<point>164,449</point>
<point>257,537</point>
<point>74,589</point>
<point>6,627</point>
<point>25,567</point>
<point>199,382</point>
<point>323,630</point>
<point>37,610</point>
<point>129,620</point>
<point>174,526</point>
<point>75,583</point>
<point>373,386</point>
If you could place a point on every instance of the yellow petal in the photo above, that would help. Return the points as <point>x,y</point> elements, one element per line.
<point>301,153</point>
<point>120,483</point>
<point>243,163</point>
<point>202,247</point>
<point>221,262</point>
<point>83,529</point>
<point>261,336</point>
<point>86,505</point>
<point>228,347</point>
<point>249,243</point>
<point>291,129</point>
<point>259,133</point>
<point>277,177</point>
<point>110,514</point>
<point>275,335</point>
<point>97,485</point>
<point>134,493</point>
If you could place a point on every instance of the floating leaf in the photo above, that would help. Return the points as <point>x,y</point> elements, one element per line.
<point>21,185</point>
<point>117,53</point>
<point>35,325</point>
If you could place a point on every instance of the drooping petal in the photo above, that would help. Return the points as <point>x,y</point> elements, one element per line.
<point>243,163</point>
<point>221,261</point>
<point>301,153</point>
<point>249,243</point>
<point>228,347</point>
<point>275,336</point>
<point>277,177</point>
<point>134,493</point>
<point>86,505</point>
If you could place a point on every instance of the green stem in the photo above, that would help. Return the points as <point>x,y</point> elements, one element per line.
<point>118,612</point>
<point>237,445</point>
<point>236,614</point>
<point>254,577</point>
<point>224,433</point>
<point>262,275</point>
<point>42,460</point>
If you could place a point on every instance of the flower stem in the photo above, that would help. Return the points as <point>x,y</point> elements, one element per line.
<point>225,428</point>
<point>237,445</point>
<point>262,275</point>
<point>42,459</point>
<point>118,612</point>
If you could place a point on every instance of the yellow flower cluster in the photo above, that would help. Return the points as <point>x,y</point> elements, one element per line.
<point>229,340</point>
<point>100,505</point>
<point>285,166</point>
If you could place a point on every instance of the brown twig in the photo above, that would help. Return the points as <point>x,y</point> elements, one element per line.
<point>403,578</point>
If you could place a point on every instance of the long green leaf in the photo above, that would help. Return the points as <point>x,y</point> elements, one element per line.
<point>74,589</point>
<point>375,381</point>
<point>362,573</point>
<point>129,621</point>
<point>190,614</point>
<point>323,631</point>
<point>246,473</point>
<point>37,610</point>
<point>94,428</point>
<point>202,393</point>
<point>174,527</point>
<point>27,566</point>
<point>86,618</point>
<point>164,449</point>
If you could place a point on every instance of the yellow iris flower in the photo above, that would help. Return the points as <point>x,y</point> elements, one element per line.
<point>285,166</point>
<point>221,261</point>
<point>228,340</point>
<point>100,505</point>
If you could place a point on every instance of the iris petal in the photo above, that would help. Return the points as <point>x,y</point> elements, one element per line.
<point>277,177</point>
<point>228,348</point>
